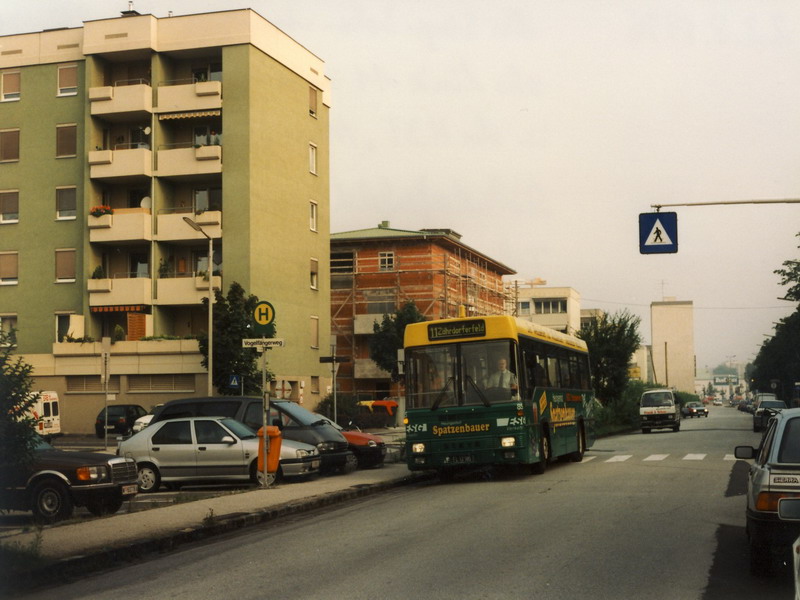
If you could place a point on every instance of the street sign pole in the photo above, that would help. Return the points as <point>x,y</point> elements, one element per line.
<point>265,404</point>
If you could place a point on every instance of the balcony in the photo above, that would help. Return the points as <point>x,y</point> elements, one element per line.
<point>184,290</point>
<point>125,101</point>
<point>125,225</point>
<point>120,291</point>
<point>189,96</point>
<point>172,227</point>
<point>125,162</point>
<point>186,162</point>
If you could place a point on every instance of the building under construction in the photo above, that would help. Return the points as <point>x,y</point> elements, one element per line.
<point>376,271</point>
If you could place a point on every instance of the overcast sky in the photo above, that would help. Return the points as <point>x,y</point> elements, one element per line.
<point>540,130</point>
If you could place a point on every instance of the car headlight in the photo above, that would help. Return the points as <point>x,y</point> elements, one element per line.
<point>326,446</point>
<point>418,448</point>
<point>372,443</point>
<point>302,453</point>
<point>508,442</point>
<point>92,473</point>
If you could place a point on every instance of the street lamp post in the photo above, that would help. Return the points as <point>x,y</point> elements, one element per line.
<point>197,227</point>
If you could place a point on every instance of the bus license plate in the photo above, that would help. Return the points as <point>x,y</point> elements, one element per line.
<point>129,489</point>
<point>461,459</point>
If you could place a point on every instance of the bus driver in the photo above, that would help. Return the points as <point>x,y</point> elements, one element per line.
<point>502,378</point>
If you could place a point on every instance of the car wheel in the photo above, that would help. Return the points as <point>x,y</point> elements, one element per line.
<point>51,501</point>
<point>149,478</point>
<point>257,476</point>
<point>107,505</point>
<point>676,428</point>
<point>350,465</point>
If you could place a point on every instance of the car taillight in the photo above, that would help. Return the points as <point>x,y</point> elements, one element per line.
<point>768,501</point>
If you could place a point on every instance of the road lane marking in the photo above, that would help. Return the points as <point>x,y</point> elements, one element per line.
<point>730,457</point>
<point>619,458</point>
<point>694,457</point>
<point>588,458</point>
<point>657,457</point>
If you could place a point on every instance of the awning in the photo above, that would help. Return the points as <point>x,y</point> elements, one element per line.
<point>189,115</point>
<point>123,308</point>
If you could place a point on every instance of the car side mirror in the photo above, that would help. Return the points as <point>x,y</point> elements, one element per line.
<point>226,439</point>
<point>745,452</point>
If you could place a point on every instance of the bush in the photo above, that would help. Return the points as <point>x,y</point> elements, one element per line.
<point>620,414</point>
<point>346,408</point>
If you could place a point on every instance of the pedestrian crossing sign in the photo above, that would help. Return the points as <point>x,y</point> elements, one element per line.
<point>658,233</point>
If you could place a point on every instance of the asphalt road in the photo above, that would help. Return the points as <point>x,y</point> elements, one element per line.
<point>658,516</point>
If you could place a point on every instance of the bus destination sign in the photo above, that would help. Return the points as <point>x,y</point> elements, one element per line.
<point>456,329</point>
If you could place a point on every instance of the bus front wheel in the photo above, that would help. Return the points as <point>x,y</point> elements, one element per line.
<point>577,456</point>
<point>544,455</point>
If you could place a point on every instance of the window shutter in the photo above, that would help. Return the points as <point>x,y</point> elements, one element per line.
<point>8,266</point>
<point>9,145</point>
<point>9,203</point>
<point>65,264</point>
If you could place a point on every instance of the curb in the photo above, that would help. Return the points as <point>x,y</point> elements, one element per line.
<point>78,567</point>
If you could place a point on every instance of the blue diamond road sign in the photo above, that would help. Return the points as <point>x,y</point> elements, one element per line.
<point>658,233</point>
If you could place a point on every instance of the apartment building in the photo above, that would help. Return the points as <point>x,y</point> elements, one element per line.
<point>672,349</point>
<point>375,271</point>
<point>125,145</point>
<point>555,307</point>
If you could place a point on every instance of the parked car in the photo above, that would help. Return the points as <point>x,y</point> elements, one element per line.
<point>745,404</point>
<point>717,402</point>
<point>203,449</point>
<point>764,411</point>
<point>57,481</point>
<point>144,421</point>
<point>295,422</point>
<point>694,409</point>
<point>369,449</point>
<point>775,474</point>
<point>121,418</point>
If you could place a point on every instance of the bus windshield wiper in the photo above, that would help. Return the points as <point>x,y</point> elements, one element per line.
<point>481,395</point>
<point>442,393</point>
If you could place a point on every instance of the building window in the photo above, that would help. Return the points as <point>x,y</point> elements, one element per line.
<point>312,101</point>
<point>342,262</point>
<point>9,145</point>
<point>314,332</point>
<point>65,266</point>
<point>92,383</point>
<point>161,383</point>
<point>524,308</point>
<point>9,268</point>
<point>314,270</point>
<point>66,140</point>
<point>9,206</point>
<point>9,86</point>
<point>68,80</point>
<point>312,215</point>
<point>66,203</point>
<point>207,199</point>
<point>386,261</point>
<point>8,325</point>
<point>62,327</point>
<point>312,158</point>
<point>315,384</point>
<point>550,307</point>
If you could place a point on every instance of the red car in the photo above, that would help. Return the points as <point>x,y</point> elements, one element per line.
<point>369,449</point>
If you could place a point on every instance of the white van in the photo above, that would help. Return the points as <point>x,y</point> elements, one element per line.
<point>659,410</point>
<point>46,413</point>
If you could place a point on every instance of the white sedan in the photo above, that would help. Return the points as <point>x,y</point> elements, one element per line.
<point>204,449</point>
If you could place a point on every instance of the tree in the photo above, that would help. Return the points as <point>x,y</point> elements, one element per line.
<point>778,360</point>
<point>612,340</point>
<point>790,275</point>
<point>17,428</point>
<point>232,324</point>
<point>388,338</point>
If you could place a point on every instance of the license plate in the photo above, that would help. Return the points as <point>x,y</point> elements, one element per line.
<point>129,489</point>
<point>315,464</point>
<point>458,460</point>
<point>109,427</point>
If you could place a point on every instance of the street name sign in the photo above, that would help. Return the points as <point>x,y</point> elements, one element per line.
<point>262,344</point>
<point>658,233</point>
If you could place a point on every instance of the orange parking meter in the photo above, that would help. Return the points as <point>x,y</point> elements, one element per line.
<point>274,452</point>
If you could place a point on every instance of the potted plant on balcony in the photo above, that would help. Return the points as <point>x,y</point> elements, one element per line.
<point>99,211</point>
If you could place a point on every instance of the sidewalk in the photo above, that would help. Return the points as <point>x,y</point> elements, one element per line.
<point>79,548</point>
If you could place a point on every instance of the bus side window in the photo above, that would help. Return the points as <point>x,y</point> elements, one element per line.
<point>552,372</point>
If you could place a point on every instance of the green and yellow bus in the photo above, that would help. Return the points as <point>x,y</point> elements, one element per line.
<point>494,391</point>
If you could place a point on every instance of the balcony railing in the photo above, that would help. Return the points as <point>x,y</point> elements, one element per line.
<point>188,96</point>
<point>172,227</point>
<point>124,97</point>
<point>188,288</point>
<point>124,162</point>
<point>120,290</point>
<point>176,161</point>
<point>126,224</point>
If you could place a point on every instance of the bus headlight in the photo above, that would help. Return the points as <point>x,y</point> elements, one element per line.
<point>418,448</point>
<point>508,442</point>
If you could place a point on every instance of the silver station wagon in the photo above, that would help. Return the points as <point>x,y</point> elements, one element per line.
<point>206,449</point>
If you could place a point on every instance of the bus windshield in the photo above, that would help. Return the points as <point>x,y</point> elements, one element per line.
<point>461,374</point>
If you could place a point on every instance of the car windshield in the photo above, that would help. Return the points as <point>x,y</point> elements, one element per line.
<point>328,421</point>
<point>790,442</point>
<point>298,413</point>
<point>242,431</point>
<point>772,404</point>
<point>657,399</point>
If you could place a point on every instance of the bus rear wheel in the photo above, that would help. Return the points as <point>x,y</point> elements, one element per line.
<point>577,456</point>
